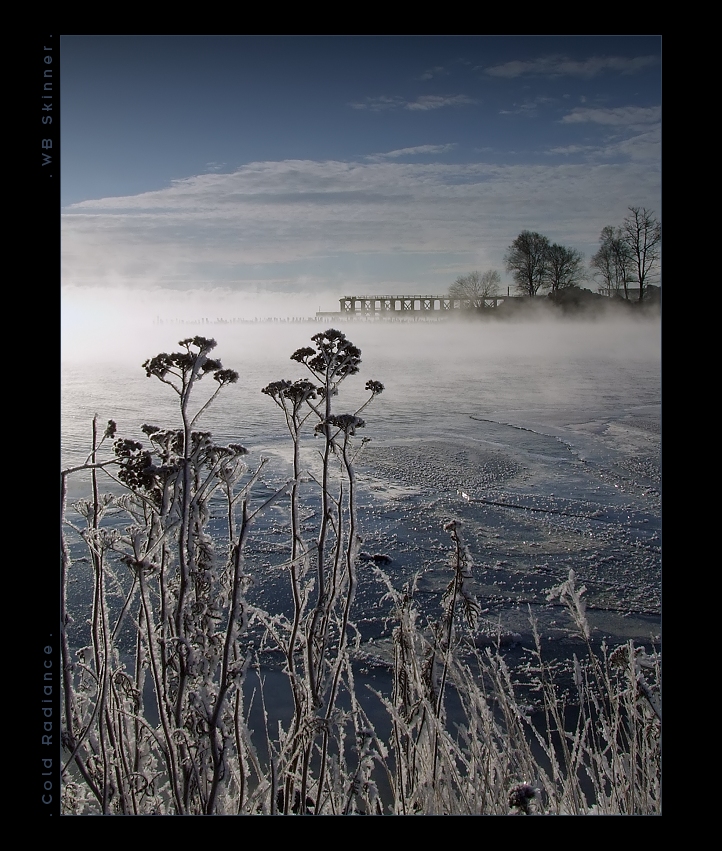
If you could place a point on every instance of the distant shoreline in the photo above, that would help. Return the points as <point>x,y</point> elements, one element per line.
<point>537,309</point>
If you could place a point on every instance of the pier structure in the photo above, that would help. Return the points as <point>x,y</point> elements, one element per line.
<point>371,306</point>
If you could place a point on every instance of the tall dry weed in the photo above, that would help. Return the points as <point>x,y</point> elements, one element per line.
<point>157,698</point>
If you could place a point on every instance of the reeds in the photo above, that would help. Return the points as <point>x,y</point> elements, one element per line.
<point>157,702</point>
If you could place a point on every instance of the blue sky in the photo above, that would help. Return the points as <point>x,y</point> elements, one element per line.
<point>303,168</point>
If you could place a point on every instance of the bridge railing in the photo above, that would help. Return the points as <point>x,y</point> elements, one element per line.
<point>371,304</point>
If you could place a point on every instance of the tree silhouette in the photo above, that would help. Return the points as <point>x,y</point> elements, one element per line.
<point>476,286</point>
<point>642,234</point>
<point>527,258</point>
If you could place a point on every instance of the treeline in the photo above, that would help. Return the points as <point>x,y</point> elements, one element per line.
<point>625,264</point>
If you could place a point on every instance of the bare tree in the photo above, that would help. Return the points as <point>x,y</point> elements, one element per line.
<point>476,286</point>
<point>565,268</point>
<point>642,234</point>
<point>527,258</point>
<point>612,264</point>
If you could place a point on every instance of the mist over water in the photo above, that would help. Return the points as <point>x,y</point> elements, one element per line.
<point>436,374</point>
<point>119,324</point>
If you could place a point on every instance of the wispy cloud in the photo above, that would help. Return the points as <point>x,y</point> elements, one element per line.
<point>529,108</point>
<point>418,150</point>
<point>424,102</point>
<point>377,104</point>
<point>619,116</point>
<point>436,71</point>
<point>231,229</point>
<point>569,150</point>
<point>562,66</point>
<point>642,144</point>
<point>438,101</point>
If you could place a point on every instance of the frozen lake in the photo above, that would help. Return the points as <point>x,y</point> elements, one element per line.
<point>543,438</point>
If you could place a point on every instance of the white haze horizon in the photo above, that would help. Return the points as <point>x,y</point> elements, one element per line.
<point>125,327</point>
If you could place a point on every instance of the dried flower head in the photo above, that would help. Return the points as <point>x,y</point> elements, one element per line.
<point>333,353</point>
<point>348,423</point>
<point>225,376</point>
<point>521,796</point>
<point>238,449</point>
<point>275,388</point>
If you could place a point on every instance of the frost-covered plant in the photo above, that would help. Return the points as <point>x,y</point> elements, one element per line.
<point>499,760</point>
<point>158,571</point>
<point>424,755</point>
<point>618,737</point>
<point>322,574</point>
<point>154,720</point>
